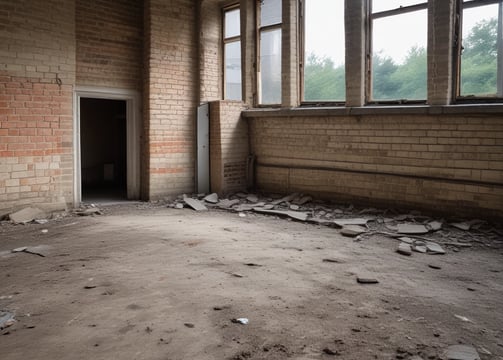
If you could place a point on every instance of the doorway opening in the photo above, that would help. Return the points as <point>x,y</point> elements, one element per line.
<point>103,149</point>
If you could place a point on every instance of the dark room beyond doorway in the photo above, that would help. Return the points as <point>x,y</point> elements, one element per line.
<point>103,149</point>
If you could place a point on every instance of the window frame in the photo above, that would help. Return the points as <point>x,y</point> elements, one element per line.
<point>226,41</point>
<point>259,30</point>
<point>458,46</point>
<point>368,43</point>
<point>302,62</point>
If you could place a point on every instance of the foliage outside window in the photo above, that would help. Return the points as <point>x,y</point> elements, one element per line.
<point>481,50</point>
<point>232,54</point>
<point>324,51</point>
<point>269,72</point>
<point>399,31</point>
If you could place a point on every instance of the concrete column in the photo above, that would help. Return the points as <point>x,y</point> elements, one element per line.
<point>441,67</point>
<point>290,54</point>
<point>355,20</point>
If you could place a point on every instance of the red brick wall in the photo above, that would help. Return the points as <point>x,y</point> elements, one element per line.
<point>37,75</point>
<point>439,162</point>
<point>109,43</point>
<point>170,98</point>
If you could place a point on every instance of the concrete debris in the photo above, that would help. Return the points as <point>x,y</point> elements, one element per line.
<point>303,200</point>
<point>195,204</point>
<point>6,319</point>
<point>294,207</point>
<point>433,266</point>
<point>211,198</point>
<point>459,244</point>
<point>242,214</point>
<point>40,250</point>
<point>88,212</point>
<point>353,230</point>
<point>434,248</point>
<point>252,198</point>
<point>41,221</point>
<point>404,249</point>
<point>434,225</point>
<point>242,321</point>
<point>366,280</point>
<point>420,249</point>
<point>461,226</point>
<point>407,240</point>
<point>26,215</point>
<point>461,352</point>
<point>296,215</point>
<point>244,207</point>
<point>411,229</point>
<point>352,221</point>
<point>227,204</point>
<point>318,220</point>
<point>178,206</point>
<point>462,318</point>
<point>285,199</point>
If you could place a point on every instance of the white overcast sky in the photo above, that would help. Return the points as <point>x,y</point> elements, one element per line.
<point>325,29</point>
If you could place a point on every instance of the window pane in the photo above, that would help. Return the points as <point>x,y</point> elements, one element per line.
<point>233,70</point>
<point>270,12</point>
<point>479,59</point>
<point>232,23</point>
<point>270,67</point>
<point>324,72</point>
<point>383,5</point>
<point>399,69</point>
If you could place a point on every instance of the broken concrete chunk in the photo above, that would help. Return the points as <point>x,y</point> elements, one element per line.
<point>211,198</point>
<point>461,352</point>
<point>285,199</point>
<point>353,230</point>
<point>412,229</point>
<point>294,207</point>
<point>303,200</point>
<point>88,212</point>
<point>297,215</point>
<point>434,225</point>
<point>195,204</point>
<point>404,249</point>
<point>19,249</point>
<point>353,221</point>
<point>407,240</point>
<point>434,248</point>
<point>268,207</point>
<point>6,319</point>
<point>462,226</point>
<point>26,215</point>
<point>252,198</point>
<point>366,280</point>
<point>420,249</point>
<point>226,203</point>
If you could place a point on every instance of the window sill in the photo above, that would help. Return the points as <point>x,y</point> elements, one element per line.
<point>376,110</point>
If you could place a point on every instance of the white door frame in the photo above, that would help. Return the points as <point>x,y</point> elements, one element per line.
<point>133,130</point>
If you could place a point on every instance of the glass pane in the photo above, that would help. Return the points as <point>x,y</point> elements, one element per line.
<point>270,12</point>
<point>324,72</point>
<point>233,70</point>
<point>399,70</point>
<point>479,59</point>
<point>270,67</point>
<point>383,5</point>
<point>232,23</point>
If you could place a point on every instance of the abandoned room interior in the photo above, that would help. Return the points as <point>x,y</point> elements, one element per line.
<point>251,179</point>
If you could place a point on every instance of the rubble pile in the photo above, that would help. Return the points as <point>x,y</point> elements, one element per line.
<point>414,232</point>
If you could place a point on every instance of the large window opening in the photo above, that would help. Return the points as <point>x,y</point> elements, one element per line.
<point>481,49</point>
<point>269,71</point>
<point>324,51</point>
<point>398,68</point>
<point>232,54</point>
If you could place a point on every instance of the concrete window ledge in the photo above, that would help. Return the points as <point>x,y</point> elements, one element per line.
<point>479,109</point>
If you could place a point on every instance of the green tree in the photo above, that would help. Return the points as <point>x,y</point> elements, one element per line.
<point>479,59</point>
<point>411,76</point>
<point>323,81</point>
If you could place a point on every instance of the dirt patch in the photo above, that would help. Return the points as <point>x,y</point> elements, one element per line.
<point>125,285</point>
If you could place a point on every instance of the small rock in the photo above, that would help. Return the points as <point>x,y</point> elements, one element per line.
<point>178,206</point>
<point>411,229</point>
<point>242,321</point>
<point>407,240</point>
<point>434,248</point>
<point>420,249</point>
<point>366,280</point>
<point>294,207</point>
<point>461,226</point>
<point>211,198</point>
<point>461,352</point>
<point>434,225</point>
<point>404,249</point>
<point>252,198</point>
<point>189,325</point>
<point>436,267</point>
<point>330,352</point>
<point>353,230</point>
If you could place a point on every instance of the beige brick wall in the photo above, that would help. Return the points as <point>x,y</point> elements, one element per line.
<point>169,98</point>
<point>210,50</point>
<point>37,76</point>
<point>444,162</point>
<point>228,147</point>
<point>109,43</point>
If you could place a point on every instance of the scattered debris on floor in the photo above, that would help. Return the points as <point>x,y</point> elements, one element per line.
<point>366,280</point>
<point>88,211</point>
<point>40,250</point>
<point>421,234</point>
<point>27,215</point>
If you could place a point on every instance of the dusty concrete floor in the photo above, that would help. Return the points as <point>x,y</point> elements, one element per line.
<point>146,282</point>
